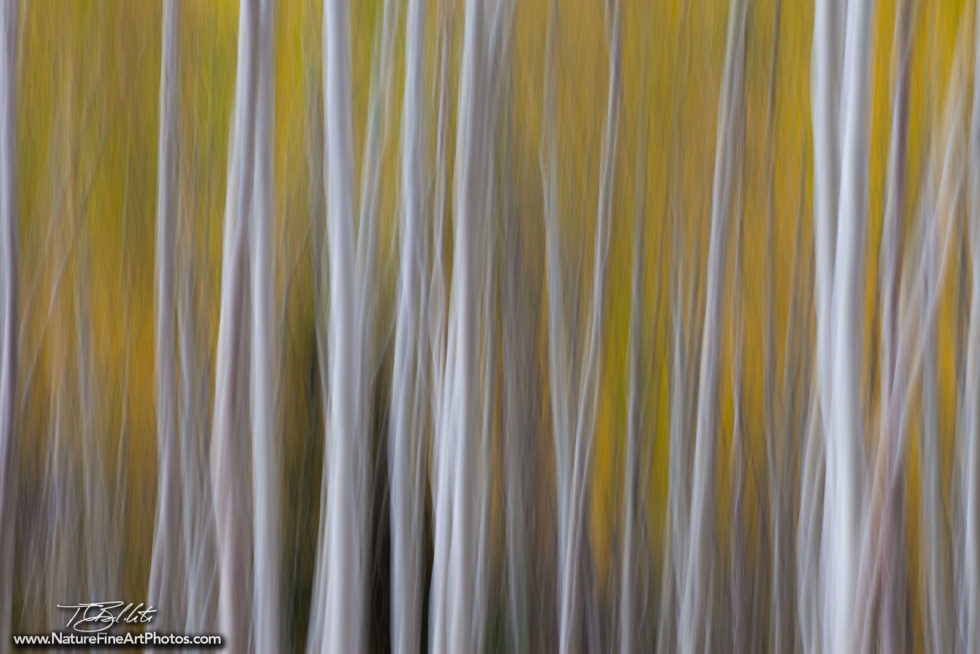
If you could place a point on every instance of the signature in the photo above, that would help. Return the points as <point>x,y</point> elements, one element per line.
<point>94,617</point>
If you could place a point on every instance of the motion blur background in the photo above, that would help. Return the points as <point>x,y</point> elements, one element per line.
<point>85,418</point>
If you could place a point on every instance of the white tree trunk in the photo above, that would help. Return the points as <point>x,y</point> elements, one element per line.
<point>266,592</point>
<point>457,517</point>
<point>694,621</point>
<point>167,572</point>
<point>573,425</point>
<point>632,492</point>
<point>229,441</point>
<point>844,486</point>
<point>408,415</point>
<point>969,438</point>
<point>338,616</point>
<point>8,308</point>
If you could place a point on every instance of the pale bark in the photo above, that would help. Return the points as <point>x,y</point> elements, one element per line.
<point>883,545</point>
<point>266,591</point>
<point>969,437</point>
<point>338,622</point>
<point>167,571</point>
<point>825,108</point>
<point>844,489</point>
<point>459,615</point>
<point>574,424</point>
<point>437,307</point>
<point>933,514</point>
<point>229,451</point>
<point>198,506</point>
<point>632,492</point>
<point>408,415</point>
<point>694,621</point>
<point>8,309</point>
<point>520,380</point>
<point>684,298</point>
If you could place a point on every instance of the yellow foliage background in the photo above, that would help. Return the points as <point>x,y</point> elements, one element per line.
<point>88,86</point>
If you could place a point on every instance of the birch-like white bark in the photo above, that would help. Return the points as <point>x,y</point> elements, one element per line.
<point>574,425</point>
<point>933,515</point>
<point>459,437</point>
<point>339,626</point>
<point>969,437</point>
<point>198,507</point>
<point>844,488</point>
<point>883,543</point>
<point>825,109</point>
<point>229,452</point>
<point>437,344</point>
<point>8,308</point>
<point>520,378</point>
<point>166,569</point>
<point>408,416</point>
<point>694,618</point>
<point>266,591</point>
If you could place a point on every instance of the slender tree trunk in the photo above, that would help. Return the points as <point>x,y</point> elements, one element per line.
<point>969,438</point>
<point>229,441</point>
<point>520,380</point>
<point>166,570</point>
<point>844,489</point>
<point>266,591</point>
<point>694,620</point>
<point>437,307</point>
<point>339,618</point>
<point>405,458</point>
<point>825,108</point>
<point>933,515</point>
<point>574,425</point>
<point>9,316</point>
<point>459,437</point>
<point>887,546</point>
<point>634,428</point>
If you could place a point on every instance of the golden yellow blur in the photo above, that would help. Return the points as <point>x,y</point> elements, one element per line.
<point>88,87</point>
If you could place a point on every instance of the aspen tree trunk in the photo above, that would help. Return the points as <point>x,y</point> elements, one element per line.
<point>9,315</point>
<point>166,570</point>
<point>266,592</point>
<point>520,380</point>
<point>408,416</point>
<point>438,368</point>
<point>844,489</point>
<point>229,440</point>
<point>694,621</point>
<point>969,438</point>
<point>933,515</point>
<point>634,428</point>
<point>457,519</point>
<point>198,510</point>
<point>338,620</point>
<point>825,108</point>
<point>889,484</point>
<point>574,424</point>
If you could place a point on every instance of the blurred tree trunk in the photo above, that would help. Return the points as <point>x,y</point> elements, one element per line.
<point>337,621</point>
<point>844,487</point>
<point>9,316</point>
<point>408,416</point>
<point>229,441</point>
<point>456,625</point>
<point>969,438</point>
<point>695,618</point>
<point>167,573</point>
<point>267,563</point>
<point>574,397</point>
